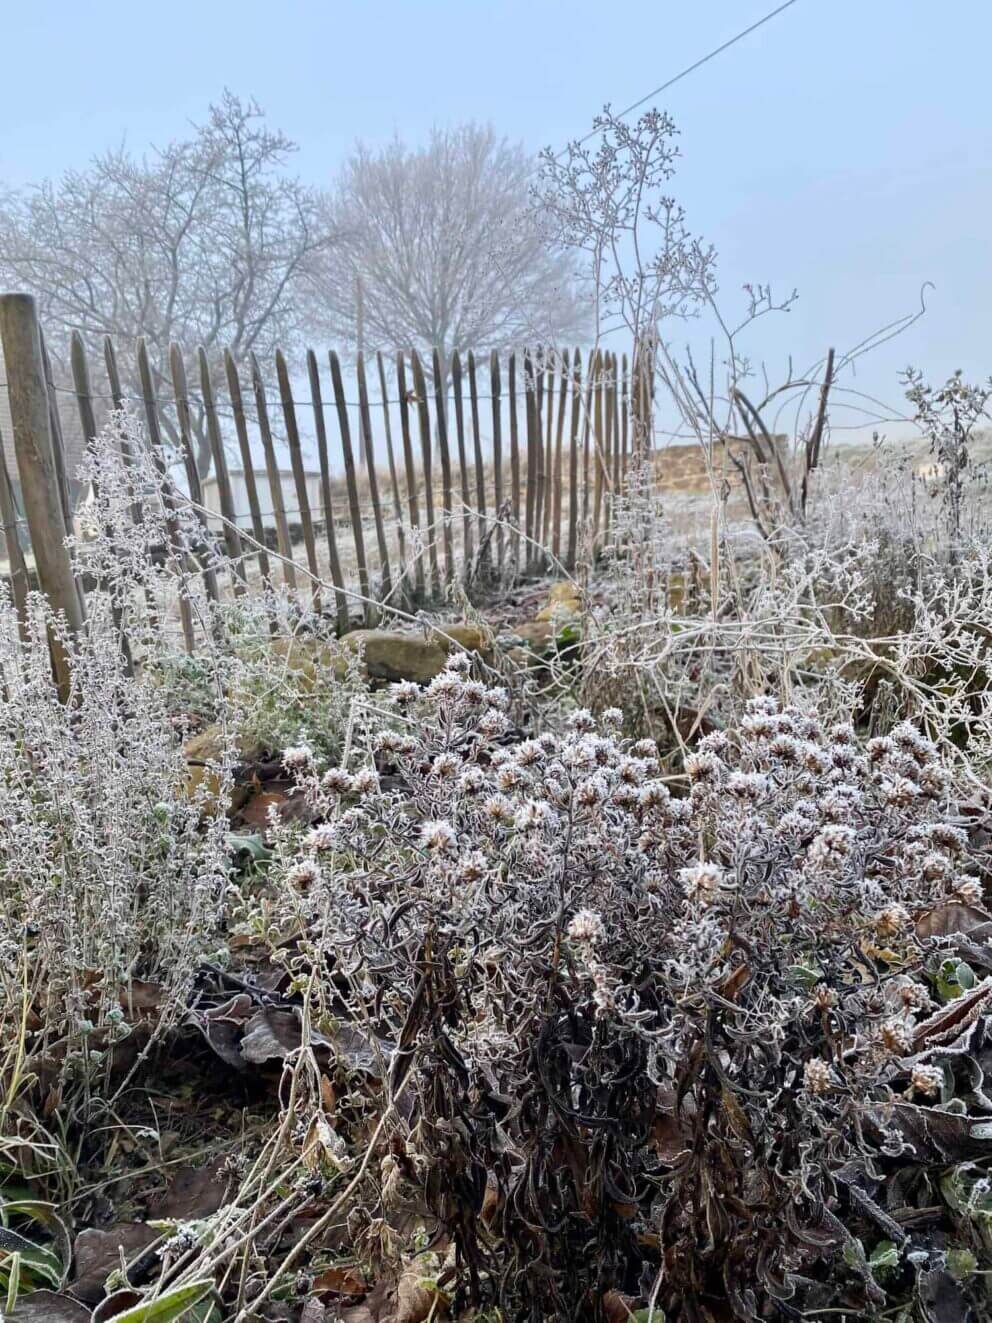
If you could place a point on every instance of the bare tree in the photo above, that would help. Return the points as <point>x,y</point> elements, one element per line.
<point>605,196</point>
<point>439,247</point>
<point>206,241</point>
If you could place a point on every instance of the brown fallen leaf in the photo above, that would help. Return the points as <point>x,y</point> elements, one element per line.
<point>114,1305</point>
<point>48,1307</point>
<point>328,1097</point>
<point>341,1279</point>
<point>192,1193</point>
<point>951,916</point>
<point>256,812</point>
<point>618,1307</point>
<point>98,1253</point>
<point>416,1297</point>
<point>952,1018</point>
<point>734,982</point>
<point>141,997</point>
<point>667,1135</point>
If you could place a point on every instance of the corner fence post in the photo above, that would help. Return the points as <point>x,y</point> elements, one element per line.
<point>34,447</point>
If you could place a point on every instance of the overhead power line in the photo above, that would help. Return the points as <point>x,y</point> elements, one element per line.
<point>684,73</point>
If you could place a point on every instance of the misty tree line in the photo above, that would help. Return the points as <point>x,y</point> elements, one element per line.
<point>465,242</point>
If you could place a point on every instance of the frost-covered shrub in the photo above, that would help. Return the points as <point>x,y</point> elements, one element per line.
<point>110,873</point>
<point>269,691</point>
<point>639,1041</point>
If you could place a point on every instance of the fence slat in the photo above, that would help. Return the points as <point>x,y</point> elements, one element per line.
<point>117,399</point>
<point>556,472</point>
<point>533,446</point>
<point>124,444</point>
<point>573,463</point>
<point>586,430</point>
<point>598,448</point>
<point>609,443</point>
<point>168,496</point>
<point>272,472</point>
<point>624,422</point>
<point>441,423</point>
<point>81,386</point>
<point>84,399</point>
<point>178,368</point>
<point>299,477</point>
<point>424,421</point>
<point>365,422</point>
<point>480,465</point>
<point>539,477</point>
<point>348,454</point>
<point>511,373</point>
<point>327,504</point>
<point>548,455</point>
<point>248,466</point>
<point>58,446</point>
<point>18,572</point>
<point>494,388</point>
<point>411,473</point>
<point>232,538</point>
<point>31,421</point>
<point>393,479</point>
<point>456,387</point>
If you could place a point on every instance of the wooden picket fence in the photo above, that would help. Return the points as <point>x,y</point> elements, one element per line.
<point>564,427</point>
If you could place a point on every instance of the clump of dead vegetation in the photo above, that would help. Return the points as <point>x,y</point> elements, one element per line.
<point>647,978</point>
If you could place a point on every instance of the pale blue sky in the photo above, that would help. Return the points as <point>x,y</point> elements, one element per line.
<point>842,149</point>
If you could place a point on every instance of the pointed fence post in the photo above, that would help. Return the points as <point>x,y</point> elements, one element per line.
<point>40,486</point>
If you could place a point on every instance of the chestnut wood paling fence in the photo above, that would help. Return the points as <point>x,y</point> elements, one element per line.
<point>449,503</point>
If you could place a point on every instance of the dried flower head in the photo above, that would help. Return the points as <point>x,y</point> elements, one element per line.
<point>298,758</point>
<point>438,836</point>
<point>817,1076</point>
<point>586,926</point>
<point>928,1080</point>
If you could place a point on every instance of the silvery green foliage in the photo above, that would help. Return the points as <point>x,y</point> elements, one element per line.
<point>111,871</point>
<point>649,1023</point>
<point>138,535</point>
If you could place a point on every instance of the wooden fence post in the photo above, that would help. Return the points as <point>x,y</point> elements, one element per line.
<point>178,367</point>
<point>424,422</point>
<point>327,504</point>
<point>33,446</point>
<point>18,572</point>
<point>341,404</point>
<point>117,398</point>
<point>440,410</point>
<point>497,454</point>
<point>58,446</point>
<point>551,360</point>
<point>480,467</point>
<point>511,378</point>
<point>573,462</point>
<point>365,429</point>
<point>411,474</point>
<point>232,538</point>
<point>556,472</point>
<point>248,465</point>
<point>456,386</point>
<point>84,398</point>
<point>394,481</point>
<point>272,472</point>
<point>171,507</point>
<point>299,477</point>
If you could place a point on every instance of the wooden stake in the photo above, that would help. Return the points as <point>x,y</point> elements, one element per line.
<point>33,446</point>
<point>327,504</point>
